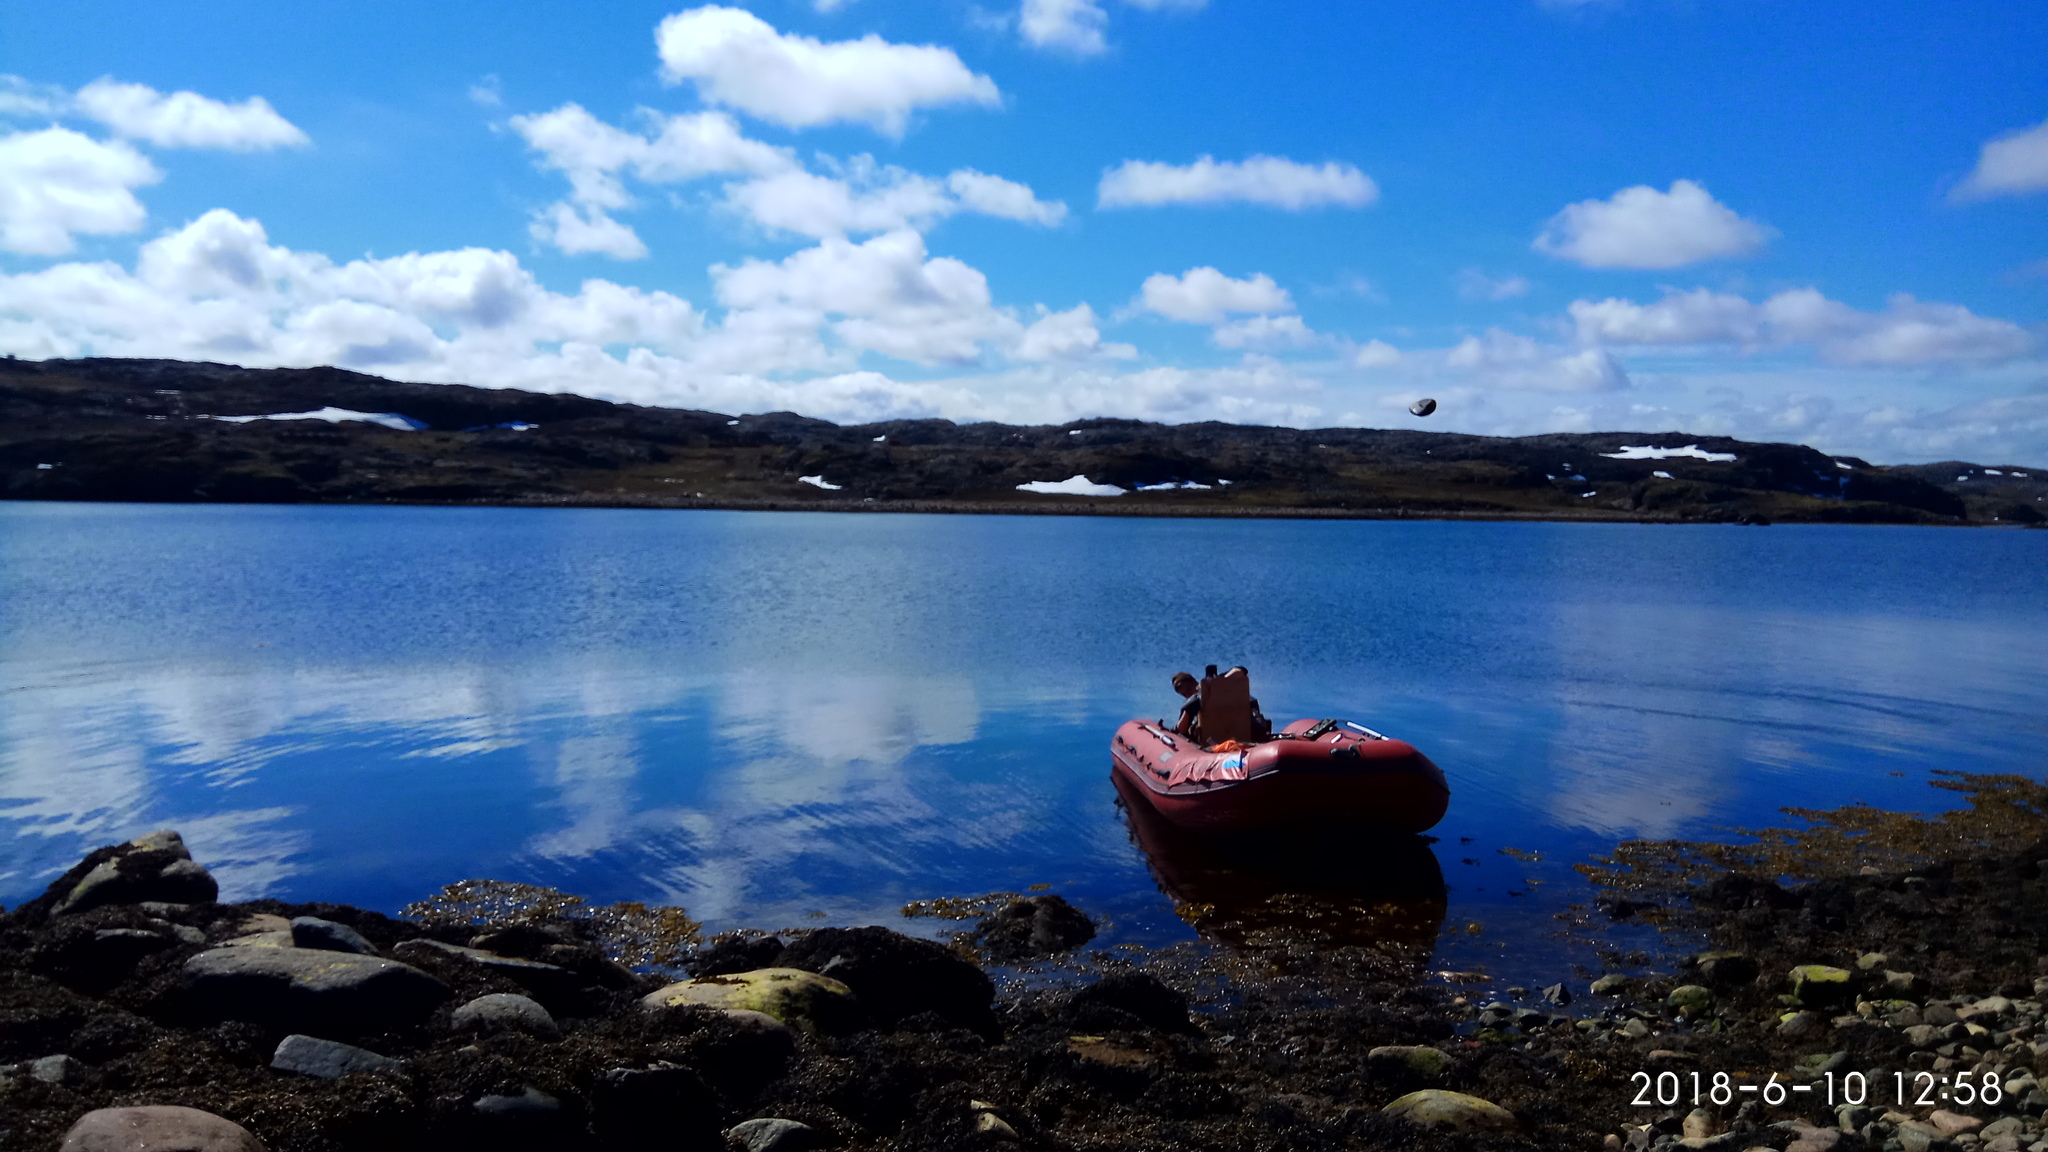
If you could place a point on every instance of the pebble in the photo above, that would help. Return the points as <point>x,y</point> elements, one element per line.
<point>772,1134</point>
<point>58,1069</point>
<point>1953,1124</point>
<point>505,1012</point>
<point>1437,1108</point>
<point>327,1059</point>
<point>326,935</point>
<point>158,1128</point>
<point>531,1105</point>
<point>1794,1025</point>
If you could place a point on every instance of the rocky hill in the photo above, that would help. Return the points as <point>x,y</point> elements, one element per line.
<point>160,430</point>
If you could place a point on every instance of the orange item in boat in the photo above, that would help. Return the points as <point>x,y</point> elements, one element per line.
<point>1230,746</point>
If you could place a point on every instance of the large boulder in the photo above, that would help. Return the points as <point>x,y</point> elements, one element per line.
<point>1030,927</point>
<point>158,1128</point>
<point>309,990</point>
<point>795,997</point>
<point>896,975</point>
<point>156,867</point>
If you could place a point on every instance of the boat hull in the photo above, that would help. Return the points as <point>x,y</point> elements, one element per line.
<point>1348,775</point>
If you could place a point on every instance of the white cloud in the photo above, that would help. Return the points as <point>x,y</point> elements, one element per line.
<point>1064,25</point>
<point>885,295</point>
<point>1263,332</point>
<point>1269,180</point>
<point>863,197</point>
<point>1906,331</point>
<point>1506,360</point>
<point>489,92</point>
<point>2011,165</point>
<point>1640,227</point>
<point>24,98</point>
<point>1070,336</point>
<point>187,119</point>
<point>56,183</point>
<point>595,156</point>
<point>1476,285</point>
<point>995,196</point>
<point>1376,354</point>
<point>739,60</point>
<point>578,231</point>
<point>1206,296</point>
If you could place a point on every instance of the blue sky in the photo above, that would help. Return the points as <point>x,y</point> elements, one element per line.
<point>1824,223</point>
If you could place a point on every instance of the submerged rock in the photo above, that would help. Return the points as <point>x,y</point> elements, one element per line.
<point>158,1128</point>
<point>791,995</point>
<point>1030,927</point>
<point>1437,1108</point>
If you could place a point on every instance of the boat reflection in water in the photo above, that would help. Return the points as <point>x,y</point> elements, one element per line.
<point>1296,888</point>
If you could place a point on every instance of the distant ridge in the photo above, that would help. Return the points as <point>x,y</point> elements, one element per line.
<point>152,430</point>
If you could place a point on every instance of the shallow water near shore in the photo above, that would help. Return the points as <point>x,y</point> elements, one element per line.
<point>800,719</point>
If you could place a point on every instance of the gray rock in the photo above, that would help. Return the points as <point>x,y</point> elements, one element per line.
<point>772,1134</point>
<point>1924,1035</point>
<point>1794,1025</point>
<point>308,990</point>
<point>1917,1137</point>
<point>158,1128</point>
<point>155,867</point>
<point>505,1012</point>
<point>58,1069</point>
<point>1030,927</point>
<point>327,1059</point>
<point>327,936</point>
<point>1558,994</point>
<point>1612,984</point>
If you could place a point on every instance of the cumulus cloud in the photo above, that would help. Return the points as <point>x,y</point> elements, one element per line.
<point>1206,296</point>
<point>739,60</point>
<point>187,119</point>
<point>1069,336</point>
<point>56,183</point>
<point>1263,332</point>
<point>854,197</point>
<point>1375,354</point>
<point>1064,25</point>
<point>863,197</point>
<point>21,97</point>
<point>2015,164</point>
<point>1269,180</point>
<point>1476,285</point>
<point>595,156</point>
<point>1640,227</point>
<point>886,295</point>
<point>1906,331</point>
<point>1506,360</point>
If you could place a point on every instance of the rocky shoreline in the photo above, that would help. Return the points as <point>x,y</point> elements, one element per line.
<point>135,1011</point>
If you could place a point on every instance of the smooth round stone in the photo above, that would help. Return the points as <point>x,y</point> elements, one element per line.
<point>772,1134</point>
<point>505,1012</point>
<point>790,995</point>
<point>158,1128</point>
<point>1419,1060</point>
<point>308,990</point>
<point>1436,1108</point>
<point>327,1059</point>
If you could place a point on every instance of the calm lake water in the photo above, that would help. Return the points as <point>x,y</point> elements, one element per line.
<point>795,719</point>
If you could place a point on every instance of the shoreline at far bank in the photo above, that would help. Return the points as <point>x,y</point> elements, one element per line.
<point>169,431</point>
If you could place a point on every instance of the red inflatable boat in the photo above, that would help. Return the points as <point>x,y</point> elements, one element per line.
<point>1313,772</point>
